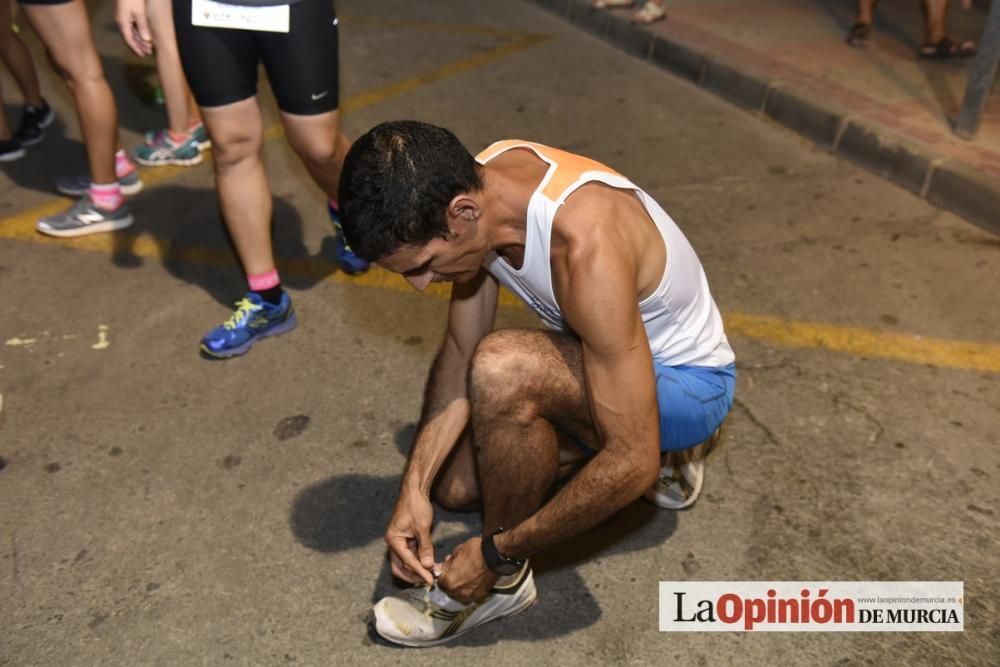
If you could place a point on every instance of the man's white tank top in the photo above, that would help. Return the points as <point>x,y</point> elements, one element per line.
<point>682,322</point>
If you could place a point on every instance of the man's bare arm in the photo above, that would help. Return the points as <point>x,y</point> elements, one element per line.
<point>445,411</point>
<point>596,285</point>
<point>444,418</point>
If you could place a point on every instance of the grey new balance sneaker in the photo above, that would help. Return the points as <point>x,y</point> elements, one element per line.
<point>427,616</point>
<point>84,218</point>
<point>77,186</point>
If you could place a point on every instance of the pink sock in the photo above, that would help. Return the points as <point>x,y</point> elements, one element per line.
<point>334,205</point>
<point>108,197</point>
<point>263,281</point>
<point>123,166</point>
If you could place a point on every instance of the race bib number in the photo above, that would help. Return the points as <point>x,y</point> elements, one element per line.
<point>209,14</point>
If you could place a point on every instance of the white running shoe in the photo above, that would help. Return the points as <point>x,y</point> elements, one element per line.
<point>682,476</point>
<point>425,615</point>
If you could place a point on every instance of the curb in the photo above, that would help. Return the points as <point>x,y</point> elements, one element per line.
<point>944,183</point>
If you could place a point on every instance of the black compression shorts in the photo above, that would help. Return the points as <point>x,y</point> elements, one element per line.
<point>221,63</point>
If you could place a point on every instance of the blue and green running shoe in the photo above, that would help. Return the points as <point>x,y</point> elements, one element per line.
<point>254,319</point>
<point>347,260</point>
<point>163,150</point>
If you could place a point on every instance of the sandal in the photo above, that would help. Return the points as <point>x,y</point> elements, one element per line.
<point>649,13</point>
<point>947,48</point>
<point>860,35</point>
<point>611,4</point>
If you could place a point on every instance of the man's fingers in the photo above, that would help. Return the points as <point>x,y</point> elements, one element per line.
<point>409,559</point>
<point>400,571</point>
<point>426,548</point>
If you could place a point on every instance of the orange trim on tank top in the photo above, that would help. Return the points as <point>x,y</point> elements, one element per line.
<point>568,167</point>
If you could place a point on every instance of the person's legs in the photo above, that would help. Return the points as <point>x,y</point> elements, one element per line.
<point>860,33</point>
<point>321,146</point>
<point>10,148</point>
<point>528,400</point>
<point>303,69</point>
<point>935,20</point>
<point>221,67</point>
<point>182,113</point>
<point>16,56</point>
<point>866,12</point>
<point>937,43</point>
<point>65,31</point>
<point>529,403</point>
<point>180,143</point>
<point>237,131</point>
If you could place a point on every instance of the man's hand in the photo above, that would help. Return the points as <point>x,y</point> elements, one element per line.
<point>411,551</point>
<point>134,25</point>
<point>465,576</point>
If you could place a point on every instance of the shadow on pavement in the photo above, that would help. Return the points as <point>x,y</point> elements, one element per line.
<point>350,511</point>
<point>193,245</point>
<point>58,155</point>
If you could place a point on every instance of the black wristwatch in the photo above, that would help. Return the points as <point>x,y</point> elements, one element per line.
<point>497,562</point>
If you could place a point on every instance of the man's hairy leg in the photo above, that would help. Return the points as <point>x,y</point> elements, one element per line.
<point>526,387</point>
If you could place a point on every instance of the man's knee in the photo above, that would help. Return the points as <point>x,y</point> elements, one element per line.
<point>500,365</point>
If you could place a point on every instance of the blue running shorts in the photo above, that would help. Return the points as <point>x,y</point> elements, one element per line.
<point>693,402</point>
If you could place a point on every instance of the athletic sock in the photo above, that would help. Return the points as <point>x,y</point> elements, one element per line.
<point>267,285</point>
<point>107,197</point>
<point>123,166</point>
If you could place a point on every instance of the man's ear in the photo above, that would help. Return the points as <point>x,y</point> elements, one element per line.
<point>462,210</point>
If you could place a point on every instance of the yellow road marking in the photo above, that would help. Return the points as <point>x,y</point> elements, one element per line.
<point>432,26</point>
<point>970,355</point>
<point>910,348</point>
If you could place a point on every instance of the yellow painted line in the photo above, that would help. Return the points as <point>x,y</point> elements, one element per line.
<point>451,69</point>
<point>22,225</point>
<point>432,26</point>
<point>910,348</point>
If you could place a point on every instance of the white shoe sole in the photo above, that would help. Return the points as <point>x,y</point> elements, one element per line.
<point>127,190</point>
<point>15,155</point>
<point>173,162</point>
<point>95,228</point>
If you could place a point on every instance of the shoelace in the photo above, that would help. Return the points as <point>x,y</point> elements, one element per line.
<point>427,597</point>
<point>244,307</point>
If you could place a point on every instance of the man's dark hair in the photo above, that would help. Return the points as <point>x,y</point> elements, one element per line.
<point>396,184</point>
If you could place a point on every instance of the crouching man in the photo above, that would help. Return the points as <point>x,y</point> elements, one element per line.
<point>635,366</point>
